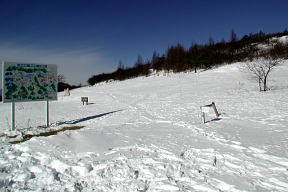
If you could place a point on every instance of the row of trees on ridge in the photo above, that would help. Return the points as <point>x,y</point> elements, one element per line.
<point>177,58</point>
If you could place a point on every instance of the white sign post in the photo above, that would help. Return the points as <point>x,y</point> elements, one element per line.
<point>26,82</point>
<point>206,109</point>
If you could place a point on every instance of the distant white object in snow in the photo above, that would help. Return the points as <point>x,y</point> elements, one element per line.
<point>206,109</point>
<point>66,92</point>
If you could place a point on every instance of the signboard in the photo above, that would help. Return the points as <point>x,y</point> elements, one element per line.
<point>205,109</point>
<point>29,82</point>
<point>84,100</point>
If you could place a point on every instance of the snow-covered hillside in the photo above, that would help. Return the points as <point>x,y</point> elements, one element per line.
<point>283,39</point>
<point>145,134</point>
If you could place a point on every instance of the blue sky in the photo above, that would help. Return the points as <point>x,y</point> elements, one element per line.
<point>90,37</point>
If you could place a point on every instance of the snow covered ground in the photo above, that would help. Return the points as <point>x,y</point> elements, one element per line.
<point>145,134</point>
<point>282,39</point>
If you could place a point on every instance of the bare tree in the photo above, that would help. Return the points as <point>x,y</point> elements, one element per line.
<point>211,41</point>
<point>120,65</point>
<point>261,68</point>
<point>233,36</point>
<point>61,78</point>
<point>139,61</point>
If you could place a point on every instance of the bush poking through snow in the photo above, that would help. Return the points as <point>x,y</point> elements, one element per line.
<point>45,134</point>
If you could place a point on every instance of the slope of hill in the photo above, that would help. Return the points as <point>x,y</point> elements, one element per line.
<point>145,134</point>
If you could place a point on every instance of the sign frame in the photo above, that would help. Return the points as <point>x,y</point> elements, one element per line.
<point>25,74</point>
<point>28,82</point>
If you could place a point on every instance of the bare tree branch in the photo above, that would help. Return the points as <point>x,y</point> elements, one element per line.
<point>260,69</point>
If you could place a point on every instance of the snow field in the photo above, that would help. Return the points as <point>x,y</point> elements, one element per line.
<point>145,134</point>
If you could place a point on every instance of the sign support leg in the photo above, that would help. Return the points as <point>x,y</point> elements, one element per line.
<point>47,113</point>
<point>203,117</point>
<point>13,116</point>
<point>215,110</point>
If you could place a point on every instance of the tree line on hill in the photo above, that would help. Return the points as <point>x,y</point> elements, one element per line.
<point>178,59</point>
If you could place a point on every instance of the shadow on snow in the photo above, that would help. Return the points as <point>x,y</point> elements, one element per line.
<point>215,119</point>
<point>86,118</point>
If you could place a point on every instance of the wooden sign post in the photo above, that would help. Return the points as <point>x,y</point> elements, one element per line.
<point>84,100</point>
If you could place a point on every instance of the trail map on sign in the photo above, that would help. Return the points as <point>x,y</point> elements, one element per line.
<point>29,82</point>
